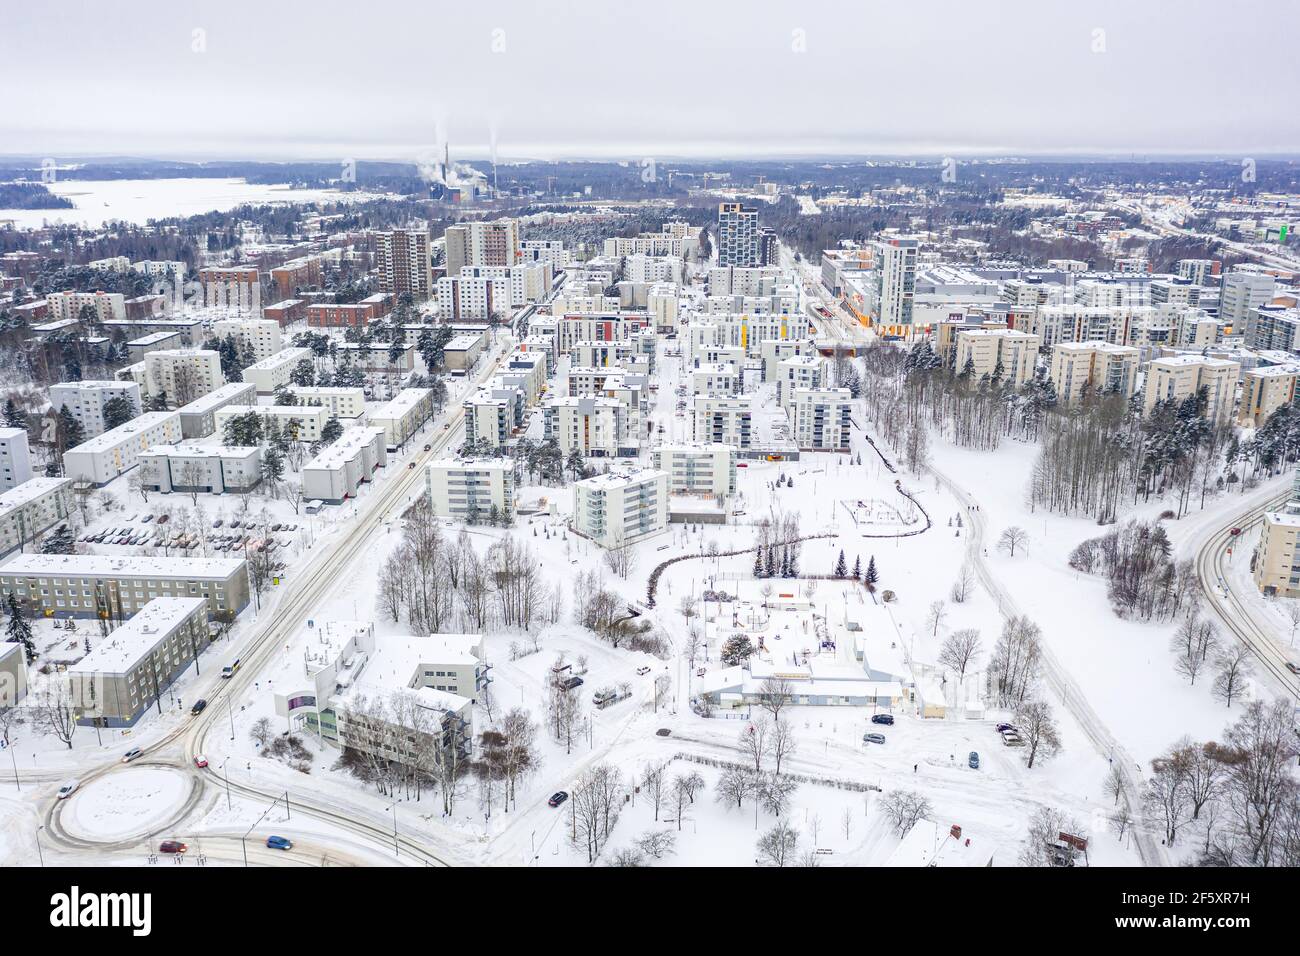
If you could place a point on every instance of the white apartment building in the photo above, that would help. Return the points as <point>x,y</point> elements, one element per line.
<point>698,469</point>
<point>85,400</point>
<point>473,297</point>
<point>403,416</point>
<point>593,427</point>
<point>338,471</point>
<point>32,508</point>
<point>471,489</point>
<point>607,327</point>
<point>183,375</point>
<point>116,451</point>
<point>820,418</point>
<point>63,306</point>
<point>895,285</point>
<point>544,250</point>
<point>210,469</point>
<point>490,417</point>
<point>983,352</point>
<point>663,304</point>
<point>1179,377</point>
<point>15,458</point>
<point>339,400</point>
<point>1240,294</point>
<point>621,508</point>
<point>1100,366</point>
<point>717,378</point>
<point>79,585</point>
<point>261,336</point>
<point>798,371</point>
<point>524,282</point>
<point>199,417</point>
<point>303,422</point>
<point>724,420</point>
<point>482,243</point>
<point>275,371</point>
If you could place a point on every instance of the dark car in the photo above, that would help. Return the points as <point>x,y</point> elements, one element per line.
<point>1234,532</point>
<point>172,846</point>
<point>279,843</point>
<point>973,761</point>
<point>873,738</point>
<point>1002,727</point>
<point>883,719</point>
<point>557,798</point>
<point>1293,667</point>
<point>663,732</point>
<point>198,706</point>
<point>572,682</point>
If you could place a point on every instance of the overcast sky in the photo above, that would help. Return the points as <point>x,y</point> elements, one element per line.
<point>380,79</point>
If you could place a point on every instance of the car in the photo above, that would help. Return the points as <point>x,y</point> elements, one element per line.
<point>873,738</point>
<point>134,753</point>
<point>163,519</point>
<point>428,448</point>
<point>1293,667</point>
<point>234,523</point>
<point>741,464</point>
<point>572,682</point>
<point>411,466</point>
<point>228,671</point>
<point>1234,532</point>
<point>663,732</point>
<point>68,789</point>
<point>276,527</point>
<point>200,761</point>
<point>1002,727</point>
<point>146,519</point>
<point>557,798</point>
<point>973,761</point>
<point>198,706</point>
<point>642,671</point>
<point>172,846</point>
<point>218,523</point>
<point>279,843</point>
<point>883,719</point>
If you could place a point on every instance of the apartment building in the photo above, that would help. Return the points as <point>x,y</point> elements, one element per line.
<point>524,282</point>
<point>983,352</point>
<point>296,275</point>
<point>338,472</point>
<point>607,327</point>
<point>1098,366</point>
<point>86,585</point>
<point>304,423</point>
<point>1277,564</point>
<point>32,508</point>
<point>199,417</point>
<point>716,378</point>
<point>461,353</point>
<point>707,469</point>
<point>472,489</point>
<point>286,311</point>
<point>333,315</point>
<point>593,427</point>
<point>478,298</point>
<point>191,330</point>
<point>339,400</point>
<point>544,250</point>
<point>106,456</point>
<point>13,674</point>
<point>260,336</point>
<point>276,371</point>
<point>183,375</point>
<point>482,243</point>
<point>210,469</point>
<point>233,287</point>
<point>895,285</point>
<point>820,418</point>
<point>129,671</point>
<point>378,357</point>
<point>67,306</point>
<point>726,421</point>
<point>1274,327</point>
<point>799,371</point>
<point>1240,293</point>
<point>738,235</point>
<point>403,416</point>
<point>621,508</point>
<point>15,458</point>
<point>1179,377</point>
<point>1264,390</point>
<point>1199,271</point>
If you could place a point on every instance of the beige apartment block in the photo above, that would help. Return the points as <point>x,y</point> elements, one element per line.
<point>1097,365</point>
<point>1264,391</point>
<point>982,350</point>
<point>1181,376</point>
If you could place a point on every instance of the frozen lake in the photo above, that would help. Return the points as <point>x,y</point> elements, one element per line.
<point>139,200</point>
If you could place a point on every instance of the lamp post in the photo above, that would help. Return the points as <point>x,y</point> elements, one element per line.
<point>393,807</point>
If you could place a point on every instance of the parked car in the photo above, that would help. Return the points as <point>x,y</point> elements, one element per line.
<point>172,846</point>
<point>200,761</point>
<point>873,738</point>
<point>663,732</point>
<point>68,789</point>
<point>642,671</point>
<point>198,706</point>
<point>218,523</point>
<point>973,761</point>
<point>163,519</point>
<point>887,719</point>
<point>572,682</point>
<point>428,448</point>
<point>279,843</point>
<point>1234,532</point>
<point>276,527</point>
<point>699,672</point>
<point>557,798</point>
<point>1002,727</point>
<point>1293,667</point>
<point>133,754</point>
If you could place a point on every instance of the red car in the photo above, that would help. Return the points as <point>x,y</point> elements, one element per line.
<point>1235,531</point>
<point>172,846</point>
<point>200,761</point>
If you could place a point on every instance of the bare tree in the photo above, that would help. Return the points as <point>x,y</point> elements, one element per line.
<point>774,694</point>
<point>778,845</point>
<point>903,808</point>
<point>1192,644</point>
<point>965,583</point>
<point>960,650</point>
<point>1011,539</point>
<point>935,619</point>
<point>621,560</point>
<point>657,843</point>
<point>56,713</point>
<point>754,742</point>
<point>1035,722</point>
<point>1232,668</point>
<point>1260,788</point>
<point>685,788</point>
<point>1166,801</point>
<point>654,784</point>
<point>783,742</point>
<point>1042,846</point>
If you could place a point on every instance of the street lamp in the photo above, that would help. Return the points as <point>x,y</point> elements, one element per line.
<point>226,774</point>
<point>39,853</point>
<point>393,807</point>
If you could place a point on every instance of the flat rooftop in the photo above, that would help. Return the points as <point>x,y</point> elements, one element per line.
<point>122,649</point>
<point>117,566</point>
<point>115,436</point>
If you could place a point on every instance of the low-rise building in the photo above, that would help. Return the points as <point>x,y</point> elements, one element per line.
<point>15,458</point>
<point>593,427</point>
<point>1004,354</point>
<point>128,672</point>
<point>199,417</point>
<point>13,674</point>
<point>728,421</point>
<point>403,416</point>
<point>32,508</point>
<point>621,508</point>
<point>182,375</point>
<point>259,336</point>
<point>1264,390</point>
<point>275,371</point>
<point>339,400</point>
<point>210,469</point>
<point>87,585</point>
<point>116,451</point>
<point>303,423</point>
<point>338,471</point>
<point>472,490</point>
<point>461,352</point>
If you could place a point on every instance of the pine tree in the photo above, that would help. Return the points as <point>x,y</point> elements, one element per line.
<point>758,563</point>
<point>771,562</point>
<point>332,430</point>
<point>785,562</point>
<point>14,416</point>
<point>857,568</point>
<point>59,541</point>
<point>841,568</point>
<point>20,632</point>
<point>872,574</point>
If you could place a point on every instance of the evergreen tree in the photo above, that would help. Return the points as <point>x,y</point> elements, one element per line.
<point>737,650</point>
<point>60,541</point>
<point>857,568</point>
<point>872,574</point>
<point>118,410</point>
<point>14,417</point>
<point>771,562</point>
<point>70,432</point>
<point>303,374</point>
<point>332,430</point>
<point>841,567</point>
<point>758,562</point>
<point>20,632</point>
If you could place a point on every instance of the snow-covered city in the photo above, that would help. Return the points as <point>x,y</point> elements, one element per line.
<point>464,506</point>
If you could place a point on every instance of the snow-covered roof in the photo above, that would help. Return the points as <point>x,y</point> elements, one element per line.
<point>122,649</point>
<point>928,845</point>
<point>109,565</point>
